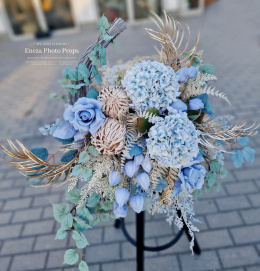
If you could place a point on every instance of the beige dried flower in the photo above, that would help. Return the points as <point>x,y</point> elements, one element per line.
<point>110,138</point>
<point>116,102</point>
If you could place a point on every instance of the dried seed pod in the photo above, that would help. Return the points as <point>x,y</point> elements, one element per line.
<point>116,102</point>
<point>110,138</point>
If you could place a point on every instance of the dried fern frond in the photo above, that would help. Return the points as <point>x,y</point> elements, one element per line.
<point>193,90</point>
<point>171,35</point>
<point>30,163</point>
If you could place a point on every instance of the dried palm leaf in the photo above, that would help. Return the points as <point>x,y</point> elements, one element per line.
<point>31,164</point>
<point>171,35</point>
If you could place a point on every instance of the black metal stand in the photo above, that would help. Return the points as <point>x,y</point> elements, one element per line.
<point>140,236</point>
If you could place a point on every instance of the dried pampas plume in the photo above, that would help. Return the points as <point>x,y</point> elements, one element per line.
<point>116,102</point>
<point>110,138</point>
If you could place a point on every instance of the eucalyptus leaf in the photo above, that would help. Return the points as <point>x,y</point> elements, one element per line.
<point>93,94</point>
<point>211,177</point>
<point>80,239</point>
<point>243,141</point>
<point>71,257</point>
<point>73,74</point>
<point>103,25</point>
<point>207,68</point>
<point>68,156</point>
<point>102,57</point>
<point>67,221</point>
<point>60,210</point>
<point>83,266</point>
<point>80,225</point>
<point>135,150</point>
<point>197,193</point>
<point>93,199</point>
<point>73,195</point>
<point>96,74</point>
<point>61,234</point>
<point>237,158</point>
<point>92,150</point>
<point>249,154</point>
<point>84,157</point>
<point>86,173</point>
<point>40,152</point>
<point>84,213</point>
<point>77,170</point>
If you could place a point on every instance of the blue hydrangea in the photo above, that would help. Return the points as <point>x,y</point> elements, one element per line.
<point>151,84</point>
<point>173,141</point>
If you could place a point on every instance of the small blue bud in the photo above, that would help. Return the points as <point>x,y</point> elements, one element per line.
<point>191,72</point>
<point>139,159</point>
<point>130,168</point>
<point>122,196</point>
<point>114,177</point>
<point>147,165</point>
<point>182,75</point>
<point>120,211</point>
<point>177,188</point>
<point>196,104</point>
<point>143,180</point>
<point>179,105</point>
<point>137,203</point>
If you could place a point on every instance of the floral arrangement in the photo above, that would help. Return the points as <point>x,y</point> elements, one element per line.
<point>138,135</point>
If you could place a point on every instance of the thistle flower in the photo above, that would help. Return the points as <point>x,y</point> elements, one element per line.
<point>151,84</point>
<point>120,211</point>
<point>137,203</point>
<point>114,177</point>
<point>122,196</point>
<point>173,141</point>
<point>116,102</point>
<point>110,138</point>
<point>143,180</point>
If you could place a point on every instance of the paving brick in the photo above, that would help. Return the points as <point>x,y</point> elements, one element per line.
<point>40,227</point>
<point>214,239</point>
<point>95,267</point>
<point>27,215</point>
<point>5,184</point>
<point>129,251</point>
<point>28,262</point>
<point>94,236</point>
<point>5,261</point>
<point>10,231</point>
<point>56,259</point>
<point>5,218</point>
<point>162,263</point>
<point>208,260</point>
<point>243,174</point>
<point>10,194</point>
<point>251,216</point>
<point>239,256</point>
<point>245,235</point>
<point>214,194</point>
<point>31,191</point>
<point>223,220</point>
<point>17,204</point>
<point>113,234</point>
<point>183,245</point>
<point>255,199</point>
<point>46,200</point>
<point>253,268</point>
<point>48,242</point>
<point>104,253</point>
<point>241,188</point>
<point>205,207</point>
<point>48,212</point>
<point>233,203</point>
<point>119,266</point>
<point>17,246</point>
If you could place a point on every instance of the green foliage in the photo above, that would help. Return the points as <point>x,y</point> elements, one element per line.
<point>40,152</point>
<point>54,96</point>
<point>223,173</point>
<point>211,178</point>
<point>60,210</point>
<point>86,173</point>
<point>143,123</point>
<point>73,74</point>
<point>93,94</point>
<point>96,74</point>
<point>102,57</point>
<point>93,200</point>
<point>71,257</point>
<point>135,150</point>
<point>65,72</point>
<point>84,213</point>
<point>92,150</point>
<point>61,234</point>
<point>67,221</point>
<point>248,154</point>
<point>80,239</point>
<point>84,157</point>
<point>95,222</point>
<point>73,195</point>
<point>243,141</point>
<point>197,193</point>
<point>103,25</point>
<point>105,217</point>
<point>93,56</point>
<point>215,166</point>
<point>77,170</point>
<point>107,205</point>
<point>75,87</point>
<point>65,141</point>
<point>69,155</point>
<point>84,73</point>
<point>80,225</point>
<point>207,68</point>
<point>83,266</point>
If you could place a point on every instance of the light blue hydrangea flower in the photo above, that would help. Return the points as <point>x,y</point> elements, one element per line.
<point>151,84</point>
<point>173,141</point>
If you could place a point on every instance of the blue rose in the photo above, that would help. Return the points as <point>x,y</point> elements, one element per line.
<point>192,177</point>
<point>85,115</point>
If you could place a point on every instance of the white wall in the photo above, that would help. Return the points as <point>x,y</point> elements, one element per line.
<point>85,11</point>
<point>171,5</point>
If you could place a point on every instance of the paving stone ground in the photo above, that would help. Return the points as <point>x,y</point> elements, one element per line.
<point>230,231</point>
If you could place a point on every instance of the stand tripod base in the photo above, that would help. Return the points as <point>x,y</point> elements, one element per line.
<point>140,236</point>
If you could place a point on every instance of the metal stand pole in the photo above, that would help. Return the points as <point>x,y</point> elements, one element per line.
<point>140,236</point>
<point>140,241</point>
